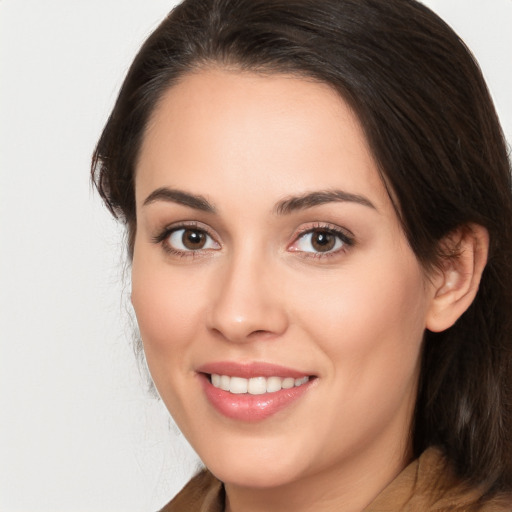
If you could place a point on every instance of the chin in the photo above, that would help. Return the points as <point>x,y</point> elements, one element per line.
<point>255,463</point>
<point>254,474</point>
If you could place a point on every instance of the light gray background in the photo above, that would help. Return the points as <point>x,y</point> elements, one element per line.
<point>77,430</point>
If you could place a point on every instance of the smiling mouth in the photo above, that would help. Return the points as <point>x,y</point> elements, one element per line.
<point>255,391</point>
<point>255,385</point>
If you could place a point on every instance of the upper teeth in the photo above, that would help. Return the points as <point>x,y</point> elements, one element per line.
<point>255,385</point>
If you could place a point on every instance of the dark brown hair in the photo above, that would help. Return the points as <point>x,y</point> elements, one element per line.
<point>434,133</point>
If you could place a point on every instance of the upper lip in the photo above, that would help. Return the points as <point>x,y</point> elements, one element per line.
<point>249,370</point>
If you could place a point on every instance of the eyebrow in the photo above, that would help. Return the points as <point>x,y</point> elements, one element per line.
<point>292,204</point>
<point>284,207</point>
<point>178,196</point>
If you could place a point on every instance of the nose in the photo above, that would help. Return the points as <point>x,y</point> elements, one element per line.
<point>247,302</point>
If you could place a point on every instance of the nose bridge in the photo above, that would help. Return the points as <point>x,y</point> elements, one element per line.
<point>247,300</point>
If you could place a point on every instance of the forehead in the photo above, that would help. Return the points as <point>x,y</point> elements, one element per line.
<point>282,133</point>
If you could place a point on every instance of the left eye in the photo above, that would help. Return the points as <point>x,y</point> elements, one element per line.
<point>319,241</point>
<point>189,239</point>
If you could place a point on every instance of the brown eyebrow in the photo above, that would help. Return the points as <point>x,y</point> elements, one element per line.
<point>311,199</point>
<point>284,207</point>
<point>178,196</point>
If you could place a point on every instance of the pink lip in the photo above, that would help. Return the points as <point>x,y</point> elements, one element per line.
<point>248,370</point>
<point>246,407</point>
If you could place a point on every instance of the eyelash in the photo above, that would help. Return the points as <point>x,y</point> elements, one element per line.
<point>345,238</point>
<point>163,237</point>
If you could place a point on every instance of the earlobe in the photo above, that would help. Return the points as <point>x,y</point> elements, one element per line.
<point>456,282</point>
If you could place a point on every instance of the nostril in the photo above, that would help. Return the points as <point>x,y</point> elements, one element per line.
<point>259,332</point>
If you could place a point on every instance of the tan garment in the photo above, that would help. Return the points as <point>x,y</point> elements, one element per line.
<point>410,491</point>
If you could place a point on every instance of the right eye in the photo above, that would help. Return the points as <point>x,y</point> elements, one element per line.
<point>183,240</point>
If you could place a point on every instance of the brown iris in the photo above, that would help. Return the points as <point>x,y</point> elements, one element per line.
<point>323,241</point>
<point>193,239</point>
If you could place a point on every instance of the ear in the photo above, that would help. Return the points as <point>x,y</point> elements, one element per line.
<point>457,280</point>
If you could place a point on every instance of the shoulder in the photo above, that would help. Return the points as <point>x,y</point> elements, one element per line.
<point>451,494</point>
<point>500,504</point>
<point>203,493</point>
<point>429,484</point>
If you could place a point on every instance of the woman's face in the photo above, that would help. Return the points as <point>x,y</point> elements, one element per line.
<point>268,254</point>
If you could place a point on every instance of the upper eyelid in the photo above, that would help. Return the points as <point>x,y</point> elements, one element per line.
<point>177,230</point>
<point>176,226</point>
<point>346,235</point>
<point>337,230</point>
<point>162,239</point>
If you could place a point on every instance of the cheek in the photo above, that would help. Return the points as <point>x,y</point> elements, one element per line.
<point>369,320</point>
<point>167,305</point>
<point>371,333</point>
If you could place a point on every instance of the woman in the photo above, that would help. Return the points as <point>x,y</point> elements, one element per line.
<point>318,202</point>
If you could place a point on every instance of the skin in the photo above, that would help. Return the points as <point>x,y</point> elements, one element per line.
<point>258,291</point>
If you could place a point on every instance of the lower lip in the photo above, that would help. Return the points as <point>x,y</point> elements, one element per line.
<point>251,408</point>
